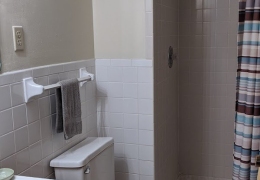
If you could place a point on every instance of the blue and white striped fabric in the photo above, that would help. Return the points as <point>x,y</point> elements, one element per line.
<point>247,123</point>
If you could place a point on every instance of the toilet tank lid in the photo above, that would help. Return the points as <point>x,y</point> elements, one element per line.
<point>80,155</point>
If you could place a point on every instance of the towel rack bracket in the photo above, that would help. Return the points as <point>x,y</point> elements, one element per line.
<point>31,89</point>
<point>84,73</point>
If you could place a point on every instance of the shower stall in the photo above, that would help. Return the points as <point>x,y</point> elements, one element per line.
<point>195,99</point>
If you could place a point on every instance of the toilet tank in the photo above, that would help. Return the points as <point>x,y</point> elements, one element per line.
<point>91,159</point>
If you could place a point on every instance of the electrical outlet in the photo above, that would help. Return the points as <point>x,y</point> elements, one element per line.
<point>18,37</point>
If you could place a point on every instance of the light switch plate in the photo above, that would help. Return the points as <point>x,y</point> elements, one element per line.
<point>18,38</point>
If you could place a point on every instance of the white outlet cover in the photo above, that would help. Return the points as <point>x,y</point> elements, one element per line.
<point>18,38</point>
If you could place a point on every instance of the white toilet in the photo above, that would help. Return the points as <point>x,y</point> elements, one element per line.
<point>91,159</point>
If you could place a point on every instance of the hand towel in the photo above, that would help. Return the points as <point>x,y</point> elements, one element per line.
<point>68,109</point>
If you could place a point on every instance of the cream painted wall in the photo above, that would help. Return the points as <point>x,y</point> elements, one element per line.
<point>55,32</point>
<point>119,28</point>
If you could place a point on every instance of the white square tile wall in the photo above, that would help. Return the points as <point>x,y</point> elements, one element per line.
<point>125,112</point>
<point>207,78</point>
<point>27,137</point>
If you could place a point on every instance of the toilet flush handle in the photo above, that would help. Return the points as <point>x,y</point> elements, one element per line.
<point>87,171</point>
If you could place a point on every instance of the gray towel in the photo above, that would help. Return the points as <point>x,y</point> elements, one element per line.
<point>68,109</point>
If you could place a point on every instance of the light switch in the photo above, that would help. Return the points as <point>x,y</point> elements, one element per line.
<point>18,37</point>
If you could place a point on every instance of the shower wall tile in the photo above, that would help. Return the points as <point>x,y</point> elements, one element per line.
<point>207,78</point>
<point>28,141</point>
<point>125,112</point>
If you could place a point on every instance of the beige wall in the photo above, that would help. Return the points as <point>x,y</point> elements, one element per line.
<point>55,32</point>
<point>119,28</point>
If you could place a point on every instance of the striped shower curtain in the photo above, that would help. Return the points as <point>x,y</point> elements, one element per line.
<point>247,123</point>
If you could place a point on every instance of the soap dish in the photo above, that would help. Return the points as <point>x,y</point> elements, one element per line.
<point>6,174</point>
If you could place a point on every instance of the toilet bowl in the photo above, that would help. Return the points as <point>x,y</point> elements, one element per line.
<point>91,159</point>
